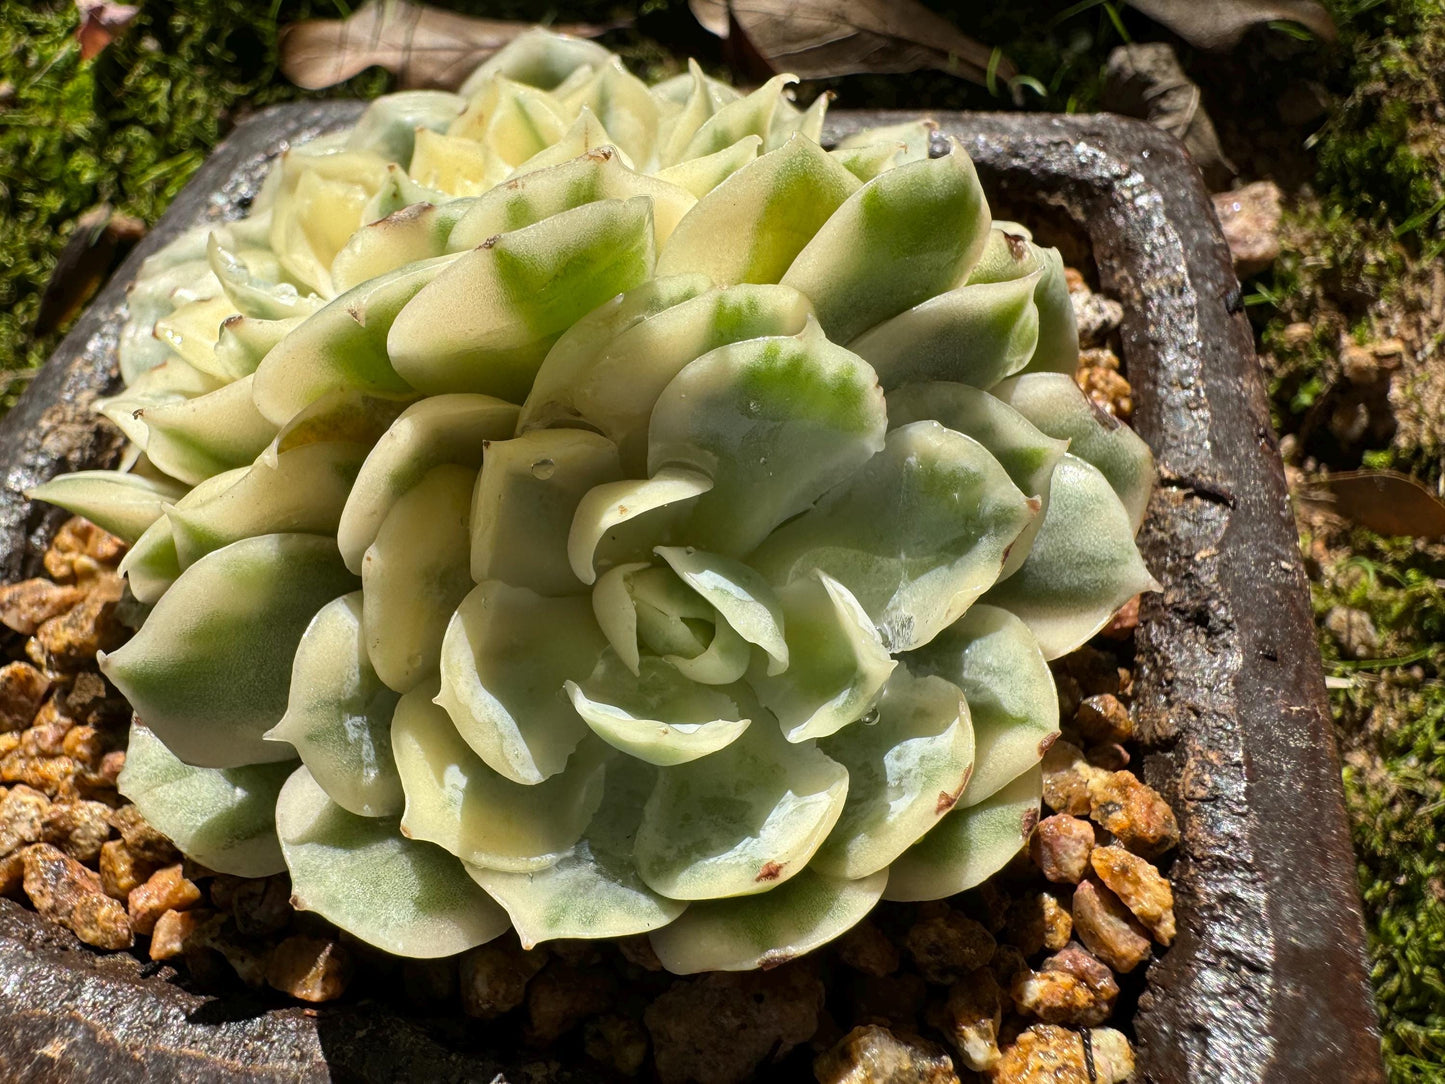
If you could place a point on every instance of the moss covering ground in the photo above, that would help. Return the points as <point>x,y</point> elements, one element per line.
<point>1363,237</point>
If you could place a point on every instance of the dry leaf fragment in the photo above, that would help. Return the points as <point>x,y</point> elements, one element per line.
<point>1220,24</point>
<point>101,22</point>
<point>820,39</point>
<point>423,46</point>
<point>1383,501</point>
<point>99,241</point>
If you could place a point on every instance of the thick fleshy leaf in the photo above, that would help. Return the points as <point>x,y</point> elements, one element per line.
<point>226,820</point>
<point>402,895</point>
<point>320,203</point>
<point>526,497</point>
<point>868,161</point>
<point>505,657</point>
<point>210,669</point>
<point>741,821</point>
<point>346,417</point>
<point>1082,566</point>
<point>389,124</point>
<point>460,167</point>
<point>244,343</point>
<point>604,526</point>
<point>442,429</point>
<point>768,930</point>
<point>916,535</point>
<point>152,564</point>
<point>415,575</point>
<point>752,226</point>
<point>193,329</point>
<point>1028,455</point>
<point>837,663</point>
<point>593,890</point>
<point>411,234</point>
<point>303,493</point>
<point>550,401</point>
<point>515,120</point>
<point>343,346</point>
<point>991,655</point>
<point>338,714</point>
<point>659,716</point>
<point>1010,255</point>
<point>590,178</point>
<point>617,390</point>
<point>739,594</point>
<point>457,802</point>
<point>976,334</point>
<point>910,234</point>
<point>616,613</point>
<point>251,296</point>
<point>1054,403</point>
<point>123,504</point>
<point>969,845</point>
<point>540,58</point>
<point>751,114</point>
<point>775,423</point>
<point>913,137</point>
<point>192,439</point>
<point>701,175</point>
<point>485,323</point>
<point>906,769</point>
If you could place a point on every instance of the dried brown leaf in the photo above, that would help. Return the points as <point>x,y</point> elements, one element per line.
<point>99,241</point>
<point>1382,501</point>
<point>101,22</point>
<point>423,46</point>
<point>820,39</point>
<point>1221,23</point>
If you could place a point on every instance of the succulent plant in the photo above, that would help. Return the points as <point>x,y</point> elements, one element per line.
<point>599,510</point>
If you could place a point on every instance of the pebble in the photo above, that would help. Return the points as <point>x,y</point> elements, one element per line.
<point>262,905</point>
<point>1097,316</point>
<point>970,1019</point>
<point>66,892</point>
<point>309,968</point>
<point>120,870</point>
<point>1039,921</point>
<point>616,1041</point>
<point>85,745</point>
<point>71,639</point>
<point>1110,757</point>
<point>1060,847</point>
<point>494,977</point>
<point>868,949</point>
<point>1066,779</point>
<point>175,931</point>
<point>1108,929</point>
<point>638,950</point>
<point>1075,960</point>
<point>1133,813</point>
<point>718,1029</point>
<point>1250,218</point>
<point>561,996</point>
<point>1109,391</point>
<point>79,828</point>
<point>946,944</point>
<point>22,818</point>
<point>1051,1054</point>
<point>1141,888</point>
<point>22,688</point>
<point>27,605</point>
<point>165,890</point>
<point>81,550</point>
<point>143,841</point>
<point>1057,997</point>
<point>1104,718</point>
<point>874,1055</point>
<point>1122,625</point>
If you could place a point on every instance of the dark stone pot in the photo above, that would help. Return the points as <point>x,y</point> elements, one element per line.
<point>1266,982</point>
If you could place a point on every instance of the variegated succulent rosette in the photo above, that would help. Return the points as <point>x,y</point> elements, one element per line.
<point>599,510</point>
